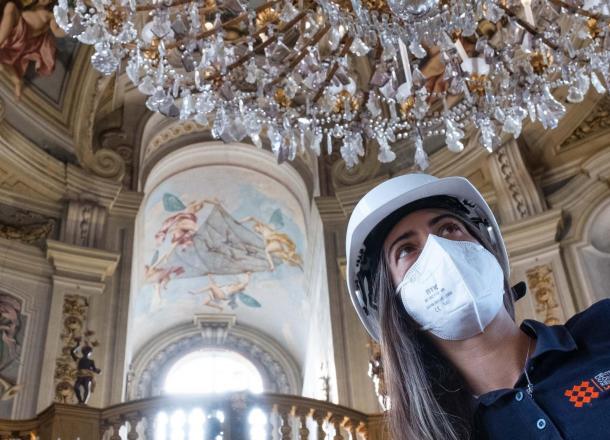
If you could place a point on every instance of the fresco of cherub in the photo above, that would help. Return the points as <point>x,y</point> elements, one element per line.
<point>27,34</point>
<point>277,244</point>
<point>227,293</point>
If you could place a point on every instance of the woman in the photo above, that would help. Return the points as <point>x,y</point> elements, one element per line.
<point>428,275</point>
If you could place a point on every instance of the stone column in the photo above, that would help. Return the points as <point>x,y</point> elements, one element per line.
<point>79,280</point>
<point>350,340</point>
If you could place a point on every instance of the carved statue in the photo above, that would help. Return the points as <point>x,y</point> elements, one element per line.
<point>85,383</point>
<point>27,35</point>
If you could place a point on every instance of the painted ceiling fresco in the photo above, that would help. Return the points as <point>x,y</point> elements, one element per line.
<point>222,239</point>
<point>33,50</point>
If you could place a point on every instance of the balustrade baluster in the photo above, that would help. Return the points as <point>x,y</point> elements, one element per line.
<point>149,426</point>
<point>116,426</point>
<point>337,421</point>
<point>352,428</point>
<point>302,414</point>
<point>363,429</point>
<point>320,417</point>
<point>285,411</point>
<point>133,420</point>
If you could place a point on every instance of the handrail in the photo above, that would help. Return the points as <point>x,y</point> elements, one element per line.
<point>288,417</point>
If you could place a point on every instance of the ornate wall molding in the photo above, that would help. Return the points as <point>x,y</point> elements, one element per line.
<point>84,224</point>
<point>150,366</point>
<point>597,121</point>
<point>517,194</point>
<point>541,282</point>
<point>74,328</point>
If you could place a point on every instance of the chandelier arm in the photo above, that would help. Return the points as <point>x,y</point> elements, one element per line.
<point>577,10</point>
<point>302,53</point>
<point>258,31</point>
<point>347,41</point>
<point>145,8</point>
<point>212,31</point>
<point>245,57</point>
<point>529,28</point>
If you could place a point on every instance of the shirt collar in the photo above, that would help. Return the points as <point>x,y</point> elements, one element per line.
<point>548,338</point>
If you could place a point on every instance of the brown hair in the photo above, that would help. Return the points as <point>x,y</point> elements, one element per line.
<point>428,398</point>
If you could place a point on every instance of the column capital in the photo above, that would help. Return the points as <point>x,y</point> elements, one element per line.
<point>80,263</point>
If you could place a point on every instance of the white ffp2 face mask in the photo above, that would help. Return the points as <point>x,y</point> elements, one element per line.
<point>454,289</point>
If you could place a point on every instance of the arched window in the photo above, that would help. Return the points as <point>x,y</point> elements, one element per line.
<point>213,371</point>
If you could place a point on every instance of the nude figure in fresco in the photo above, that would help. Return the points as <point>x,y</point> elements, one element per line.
<point>27,35</point>
<point>160,277</point>
<point>277,244</point>
<point>218,294</point>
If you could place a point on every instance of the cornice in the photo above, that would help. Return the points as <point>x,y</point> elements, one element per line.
<point>127,204</point>
<point>330,210</point>
<point>532,234</point>
<point>44,173</point>
<point>82,184</point>
<point>40,183</point>
<point>579,190</point>
<point>598,166</point>
<point>79,262</point>
<point>26,260</point>
<point>349,196</point>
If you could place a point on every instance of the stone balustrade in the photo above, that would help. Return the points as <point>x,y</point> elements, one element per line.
<point>236,416</point>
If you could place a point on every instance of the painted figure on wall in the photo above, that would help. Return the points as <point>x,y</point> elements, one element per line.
<point>227,293</point>
<point>85,371</point>
<point>27,35</point>
<point>202,239</point>
<point>11,330</point>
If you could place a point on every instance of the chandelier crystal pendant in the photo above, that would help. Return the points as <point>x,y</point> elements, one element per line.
<point>295,73</point>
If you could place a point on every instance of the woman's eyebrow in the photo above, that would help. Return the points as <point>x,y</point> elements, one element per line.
<point>433,221</point>
<point>438,218</point>
<point>401,237</point>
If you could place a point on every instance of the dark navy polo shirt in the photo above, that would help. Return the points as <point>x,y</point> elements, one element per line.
<point>570,371</point>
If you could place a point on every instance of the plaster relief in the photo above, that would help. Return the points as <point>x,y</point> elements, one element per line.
<point>541,282</point>
<point>75,333</point>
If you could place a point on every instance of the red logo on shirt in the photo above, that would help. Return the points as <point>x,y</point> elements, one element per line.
<point>581,394</point>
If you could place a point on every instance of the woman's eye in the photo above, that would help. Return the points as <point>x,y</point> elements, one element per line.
<point>449,229</point>
<point>403,252</point>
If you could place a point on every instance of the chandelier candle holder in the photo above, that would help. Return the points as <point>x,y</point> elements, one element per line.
<point>293,72</point>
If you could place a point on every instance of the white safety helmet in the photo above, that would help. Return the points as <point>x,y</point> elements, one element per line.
<point>384,200</point>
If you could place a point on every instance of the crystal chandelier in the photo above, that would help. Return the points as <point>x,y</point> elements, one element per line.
<point>297,72</point>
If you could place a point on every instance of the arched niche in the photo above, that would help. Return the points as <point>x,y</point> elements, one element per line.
<point>150,366</point>
<point>223,229</point>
